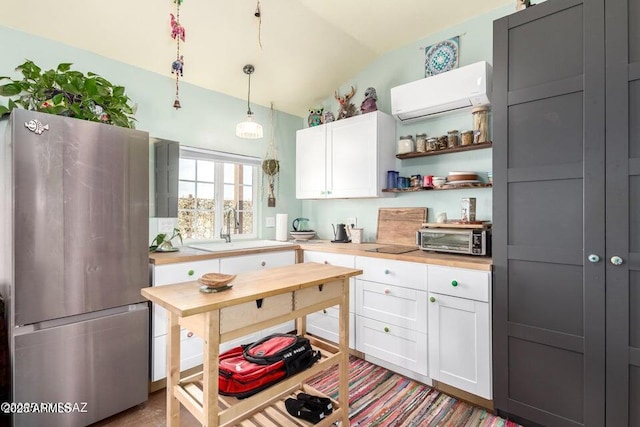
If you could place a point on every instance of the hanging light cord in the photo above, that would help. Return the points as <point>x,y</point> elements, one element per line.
<point>258,14</point>
<point>248,96</point>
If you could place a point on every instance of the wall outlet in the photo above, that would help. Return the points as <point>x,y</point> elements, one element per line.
<point>165,225</point>
<point>352,220</point>
<point>270,221</point>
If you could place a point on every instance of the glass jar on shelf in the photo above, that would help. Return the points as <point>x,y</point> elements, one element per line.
<point>480,124</point>
<point>452,138</point>
<point>421,142</point>
<point>406,144</point>
<point>467,138</point>
<point>443,141</point>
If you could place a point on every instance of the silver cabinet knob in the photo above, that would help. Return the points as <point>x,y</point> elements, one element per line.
<point>593,258</point>
<point>616,260</point>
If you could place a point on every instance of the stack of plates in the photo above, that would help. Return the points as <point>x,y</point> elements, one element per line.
<point>302,236</point>
<point>463,177</point>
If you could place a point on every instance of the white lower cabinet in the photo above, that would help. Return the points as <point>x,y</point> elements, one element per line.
<point>460,329</point>
<point>191,345</point>
<point>191,351</point>
<point>391,312</point>
<point>394,344</point>
<point>325,324</point>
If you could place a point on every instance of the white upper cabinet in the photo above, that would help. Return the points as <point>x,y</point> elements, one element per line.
<point>347,158</point>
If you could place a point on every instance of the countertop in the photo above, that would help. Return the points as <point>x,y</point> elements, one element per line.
<point>184,299</point>
<point>187,254</point>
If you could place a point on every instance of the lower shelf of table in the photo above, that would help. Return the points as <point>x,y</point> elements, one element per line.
<point>267,408</point>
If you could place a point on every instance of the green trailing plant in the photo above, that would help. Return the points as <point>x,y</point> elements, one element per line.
<point>66,92</point>
<point>162,238</point>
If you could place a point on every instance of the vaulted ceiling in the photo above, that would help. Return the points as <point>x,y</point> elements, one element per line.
<point>309,47</point>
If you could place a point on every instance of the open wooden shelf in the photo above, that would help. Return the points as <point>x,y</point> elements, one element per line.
<point>443,187</point>
<point>445,151</point>
<point>267,407</point>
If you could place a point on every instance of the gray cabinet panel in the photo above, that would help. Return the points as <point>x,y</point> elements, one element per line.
<point>634,212</point>
<point>634,31</point>
<point>623,191</point>
<point>547,296</point>
<point>634,125</point>
<point>546,49</point>
<point>167,160</point>
<point>634,396</point>
<point>549,213</point>
<point>547,377</point>
<point>546,213</point>
<point>545,126</point>
<point>634,310</point>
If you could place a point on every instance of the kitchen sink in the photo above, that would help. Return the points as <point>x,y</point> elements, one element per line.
<point>235,246</point>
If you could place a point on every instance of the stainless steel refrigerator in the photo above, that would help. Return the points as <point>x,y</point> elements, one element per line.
<point>79,212</point>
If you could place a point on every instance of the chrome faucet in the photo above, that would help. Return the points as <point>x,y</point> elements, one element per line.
<point>227,216</point>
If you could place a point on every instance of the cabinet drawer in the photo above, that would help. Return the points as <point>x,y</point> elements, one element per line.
<point>326,324</point>
<point>330,258</point>
<point>182,272</point>
<point>191,351</point>
<point>313,295</point>
<point>253,262</point>
<point>400,346</point>
<point>245,314</point>
<point>392,304</point>
<point>459,282</point>
<point>401,273</point>
<point>340,260</point>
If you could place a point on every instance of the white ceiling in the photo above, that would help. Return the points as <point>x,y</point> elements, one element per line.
<point>309,47</point>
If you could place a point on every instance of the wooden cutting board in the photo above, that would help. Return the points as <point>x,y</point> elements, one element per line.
<point>399,225</point>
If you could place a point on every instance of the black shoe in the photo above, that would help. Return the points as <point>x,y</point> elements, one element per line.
<point>323,402</point>
<point>305,410</point>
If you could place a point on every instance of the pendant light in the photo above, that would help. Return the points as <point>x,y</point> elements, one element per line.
<point>249,129</point>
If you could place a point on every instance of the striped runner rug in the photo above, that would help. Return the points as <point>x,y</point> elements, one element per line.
<point>379,397</point>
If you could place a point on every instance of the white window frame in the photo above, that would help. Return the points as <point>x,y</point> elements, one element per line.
<point>219,158</point>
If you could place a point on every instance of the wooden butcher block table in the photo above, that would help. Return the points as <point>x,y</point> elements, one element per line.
<point>257,300</point>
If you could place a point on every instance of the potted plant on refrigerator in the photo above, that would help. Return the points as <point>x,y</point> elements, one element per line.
<point>67,92</point>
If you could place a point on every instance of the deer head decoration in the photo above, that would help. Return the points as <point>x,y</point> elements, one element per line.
<point>347,109</point>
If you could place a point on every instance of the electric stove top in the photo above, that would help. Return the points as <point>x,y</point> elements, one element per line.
<point>395,249</point>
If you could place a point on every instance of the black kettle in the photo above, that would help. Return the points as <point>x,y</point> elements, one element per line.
<point>340,233</point>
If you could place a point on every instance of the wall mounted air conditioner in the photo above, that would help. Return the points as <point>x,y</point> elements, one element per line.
<point>456,90</point>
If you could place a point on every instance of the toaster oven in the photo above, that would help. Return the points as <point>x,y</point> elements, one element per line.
<point>476,241</point>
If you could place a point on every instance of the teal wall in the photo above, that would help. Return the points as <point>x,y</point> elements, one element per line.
<point>207,119</point>
<point>395,68</point>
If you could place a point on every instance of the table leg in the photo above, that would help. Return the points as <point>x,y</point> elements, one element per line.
<point>343,388</point>
<point>173,369</point>
<point>210,367</point>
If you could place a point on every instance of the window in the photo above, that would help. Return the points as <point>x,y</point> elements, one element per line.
<point>215,187</point>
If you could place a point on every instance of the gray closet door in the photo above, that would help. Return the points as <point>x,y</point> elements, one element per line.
<point>549,213</point>
<point>623,212</point>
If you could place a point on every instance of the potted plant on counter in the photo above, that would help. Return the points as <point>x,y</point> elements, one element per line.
<point>66,92</point>
<point>163,244</point>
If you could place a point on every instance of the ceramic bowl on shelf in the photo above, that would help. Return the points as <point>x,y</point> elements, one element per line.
<point>439,181</point>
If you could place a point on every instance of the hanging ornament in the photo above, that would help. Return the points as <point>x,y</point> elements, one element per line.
<point>258,14</point>
<point>271,167</point>
<point>178,33</point>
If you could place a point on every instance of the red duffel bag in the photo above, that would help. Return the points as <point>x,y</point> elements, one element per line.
<point>248,369</point>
